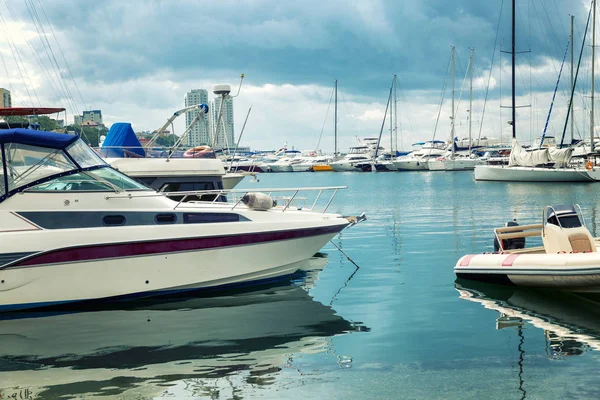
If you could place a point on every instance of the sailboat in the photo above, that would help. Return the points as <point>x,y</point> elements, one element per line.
<point>540,165</point>
<point>453,161</point>
<point>324,166</point>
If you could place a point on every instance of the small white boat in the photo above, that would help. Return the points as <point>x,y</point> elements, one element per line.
<point>568,258</point>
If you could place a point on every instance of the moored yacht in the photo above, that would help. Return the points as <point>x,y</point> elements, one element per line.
<point>417,160</point>
<point>75,229</point>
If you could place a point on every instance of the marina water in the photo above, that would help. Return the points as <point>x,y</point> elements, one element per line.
<point>385,319</point>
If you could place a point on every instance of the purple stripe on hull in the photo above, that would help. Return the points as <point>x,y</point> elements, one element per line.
<point>248,168</point>
<point>95,252</point>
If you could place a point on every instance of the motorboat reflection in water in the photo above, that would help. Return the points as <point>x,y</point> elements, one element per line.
<point>147,347</point>
<point>571,322</point>
<point>568,258</point>
<point>75,229</point>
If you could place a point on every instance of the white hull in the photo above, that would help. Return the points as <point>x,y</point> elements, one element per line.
<point>141,167</point>
<point>532,174</point>
<point>410,165</point>
<point>343,167</point>
<point>232,179</point>
<point>28,286</point>
<point>301,167</point>
<point>570,272</point>
<point>453,165</point>
<point>281,168</point>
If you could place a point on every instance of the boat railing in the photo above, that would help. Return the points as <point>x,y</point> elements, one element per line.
<point>516,232</point>
<point>286,198</point>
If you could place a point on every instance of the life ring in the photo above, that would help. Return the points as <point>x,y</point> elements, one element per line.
<point>197,152</point>
<point>589,165</point>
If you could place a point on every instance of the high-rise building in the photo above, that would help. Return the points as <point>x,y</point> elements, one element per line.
<point>224,132</point>
<point>92,116</point>
<point>5,100</point>
<point>200,132</point>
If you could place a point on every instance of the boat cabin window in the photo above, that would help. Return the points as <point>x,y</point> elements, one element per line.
<point>26,164</point>
<point>187,186</point>
<point>112,220</point>
<point>207,218</point>
<point>169,218</point>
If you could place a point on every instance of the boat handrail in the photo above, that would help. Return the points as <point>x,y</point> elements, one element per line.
<point>242,192</point>
<point>517,228</point>
<point>518,231</point>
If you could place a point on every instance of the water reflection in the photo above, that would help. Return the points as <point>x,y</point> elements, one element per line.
<point>571,322</point>
<point>148,347</point>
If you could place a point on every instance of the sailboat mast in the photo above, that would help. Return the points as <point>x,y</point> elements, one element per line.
<point>392,122</point>
<point>452,117</point>
<point>470,95</point>
<point>592,147</point>
<point>335,151</point>
<point>396,114</point>
<point>514,113</point>
<point>572,88</point>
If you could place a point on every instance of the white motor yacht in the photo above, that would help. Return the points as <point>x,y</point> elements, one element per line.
<point>75,229</point>
<point>349,162</point>
<point>418,159</point>
<point>308,163</point>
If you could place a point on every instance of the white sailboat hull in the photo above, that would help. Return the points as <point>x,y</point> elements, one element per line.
<point>534,174</point>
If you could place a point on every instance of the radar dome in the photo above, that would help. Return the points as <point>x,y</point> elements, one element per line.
<point>221,89</point>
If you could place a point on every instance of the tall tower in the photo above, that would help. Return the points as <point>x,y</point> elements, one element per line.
<point>5,100</point>
<point>224,132</point>
<point>200,133</point>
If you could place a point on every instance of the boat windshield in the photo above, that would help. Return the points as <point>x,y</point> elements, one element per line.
<point>26,164</point>
<point>84,155</point>
<point>97,180</point>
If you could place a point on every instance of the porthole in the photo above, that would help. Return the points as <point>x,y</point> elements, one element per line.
<point>165,218</point>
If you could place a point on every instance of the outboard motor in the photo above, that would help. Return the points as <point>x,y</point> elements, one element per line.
<point>510,244</point>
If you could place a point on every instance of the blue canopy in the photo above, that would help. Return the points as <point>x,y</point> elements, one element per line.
<point>121,140</point>
<point>30,137</point>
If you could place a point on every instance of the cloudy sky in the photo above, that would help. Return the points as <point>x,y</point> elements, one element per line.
<point>135,60</point>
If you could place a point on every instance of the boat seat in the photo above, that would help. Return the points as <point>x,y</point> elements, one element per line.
<point>568,240</point>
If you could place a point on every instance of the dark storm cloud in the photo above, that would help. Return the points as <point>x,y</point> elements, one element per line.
<point>361,43</point>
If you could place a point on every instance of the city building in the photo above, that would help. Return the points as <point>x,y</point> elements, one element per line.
<point>200,132</point>
<point>224,133</point>
<point>5,100</point>
<point>94,116</point>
